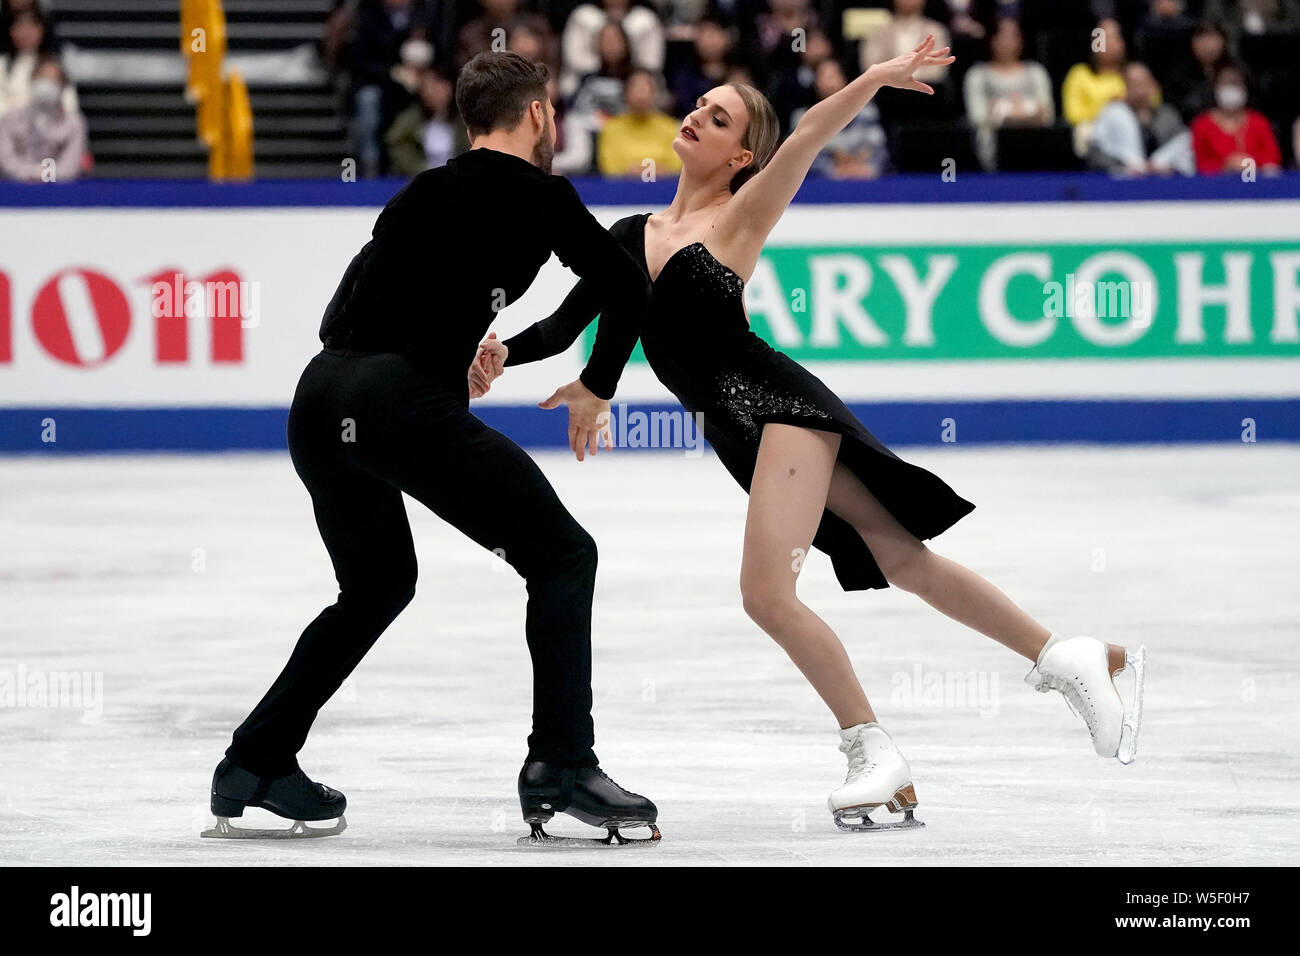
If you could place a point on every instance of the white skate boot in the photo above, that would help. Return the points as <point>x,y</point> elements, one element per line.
<point>878,776</point>
<point>1084,670</point>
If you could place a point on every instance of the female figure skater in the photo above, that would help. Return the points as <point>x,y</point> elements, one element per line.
<point>814,473</point>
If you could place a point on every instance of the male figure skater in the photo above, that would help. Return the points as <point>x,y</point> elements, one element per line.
<point>383,410</point>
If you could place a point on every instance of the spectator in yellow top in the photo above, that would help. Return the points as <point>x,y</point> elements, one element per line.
<point>642,133</point>
<point>1090,86</point>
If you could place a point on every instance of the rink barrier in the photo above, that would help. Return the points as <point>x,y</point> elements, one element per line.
<point>911,188</point>
<point>1245,420</point>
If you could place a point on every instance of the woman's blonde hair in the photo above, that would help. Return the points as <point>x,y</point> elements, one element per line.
<point>762,134</point>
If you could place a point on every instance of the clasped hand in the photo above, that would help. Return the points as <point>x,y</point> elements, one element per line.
<point>588,413</point>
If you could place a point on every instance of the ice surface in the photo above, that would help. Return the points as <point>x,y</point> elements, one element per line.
<point>183,582</point>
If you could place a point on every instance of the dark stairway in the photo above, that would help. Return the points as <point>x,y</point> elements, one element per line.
<point>142,127</point>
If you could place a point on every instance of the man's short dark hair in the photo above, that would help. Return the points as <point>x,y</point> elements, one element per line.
<point>494,89</point>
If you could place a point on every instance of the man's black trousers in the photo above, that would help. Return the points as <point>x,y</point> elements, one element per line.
<point>363,428</point>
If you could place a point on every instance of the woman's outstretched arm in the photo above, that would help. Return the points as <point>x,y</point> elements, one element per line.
<point>745,222</point>
<point>555,333</point>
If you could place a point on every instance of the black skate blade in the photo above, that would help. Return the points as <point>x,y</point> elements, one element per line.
<point>857,820</point>
<point>540,838</point>
<point>224,830</point>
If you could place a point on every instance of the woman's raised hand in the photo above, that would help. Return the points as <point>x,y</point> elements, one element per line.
<point>899,71</point>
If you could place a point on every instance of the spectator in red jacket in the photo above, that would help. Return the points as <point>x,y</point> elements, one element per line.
<point>1228,134</point>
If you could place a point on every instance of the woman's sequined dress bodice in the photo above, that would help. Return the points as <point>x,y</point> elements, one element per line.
<point>699,344</point>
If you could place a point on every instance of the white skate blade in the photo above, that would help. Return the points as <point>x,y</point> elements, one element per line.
<point>540,838</point>
<point>224,830</point>
<point>1128,735</point>
<point>856,819</point>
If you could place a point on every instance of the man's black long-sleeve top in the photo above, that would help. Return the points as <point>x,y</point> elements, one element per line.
<point>461,242</point>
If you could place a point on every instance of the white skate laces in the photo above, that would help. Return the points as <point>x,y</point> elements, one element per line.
<point>878,776</point>
<point>1083,670</point>
<point>853,744</point>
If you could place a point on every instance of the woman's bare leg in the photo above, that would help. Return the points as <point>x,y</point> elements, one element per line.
<point>786,500</point>
<point>944,584</point>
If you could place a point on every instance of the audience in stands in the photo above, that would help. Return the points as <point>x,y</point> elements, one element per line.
<point>778,33</point>
<point>860,150</point>
<point>29,45</point>
<point>1255,17</point>
<point>1190,83</point>
<point>383,29</point>
<point>708,66</point>
<point>793,87</point>
<point>1006,91</point>
<point>642,133</point>
<point>1163,35</point>
<point>600,94</point>
<point>906,31</point>
<point>1140,135</point>
<point>612,59</point>
<point>580,40</point>
<point>498,19</point>
<point>9,9</point>
<point>1088,87</point>
<point>428,132</point>
<point>42,140</point>
<point>1230,137</point>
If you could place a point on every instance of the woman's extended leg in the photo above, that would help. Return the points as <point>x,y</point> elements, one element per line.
<point>786,499</point>
<point>944,584</point>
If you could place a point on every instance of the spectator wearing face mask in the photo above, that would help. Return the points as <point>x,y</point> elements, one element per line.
<point>41,141</point>
<point>1230,133</point>
<point>29,44</point>
<point>389,35</point>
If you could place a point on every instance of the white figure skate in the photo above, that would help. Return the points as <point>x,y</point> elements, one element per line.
<point>1083,669</point>
<point>878,777</point>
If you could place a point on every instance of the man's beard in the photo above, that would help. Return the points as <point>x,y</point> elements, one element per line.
<point>544,152</point>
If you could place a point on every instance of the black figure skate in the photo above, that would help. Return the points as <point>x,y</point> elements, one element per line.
<point>587,794</point>
<point>294,797</point>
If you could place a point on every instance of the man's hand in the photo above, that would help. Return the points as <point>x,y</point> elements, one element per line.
<point>489,363</point>
<point>588,417</point>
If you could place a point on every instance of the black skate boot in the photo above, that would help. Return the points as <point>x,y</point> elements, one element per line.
<point>587,794</point>
<point>294,797</point>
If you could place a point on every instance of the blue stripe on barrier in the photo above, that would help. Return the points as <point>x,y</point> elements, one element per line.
<point>967,188</point>
<point>94,430</point>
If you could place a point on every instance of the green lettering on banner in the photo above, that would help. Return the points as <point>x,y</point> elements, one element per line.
<point>997,302</point>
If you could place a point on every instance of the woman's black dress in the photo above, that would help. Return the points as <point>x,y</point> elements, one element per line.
<point>698,342</point>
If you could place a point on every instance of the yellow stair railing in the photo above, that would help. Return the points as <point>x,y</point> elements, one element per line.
<point>223,112</point>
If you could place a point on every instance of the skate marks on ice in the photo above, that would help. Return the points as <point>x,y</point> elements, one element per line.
<point>183,582</point>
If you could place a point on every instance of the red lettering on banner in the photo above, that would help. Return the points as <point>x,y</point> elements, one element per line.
<point>219,296</point>
<point>52,326</point>
<point>225,297</point>
<point>167,306</point>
